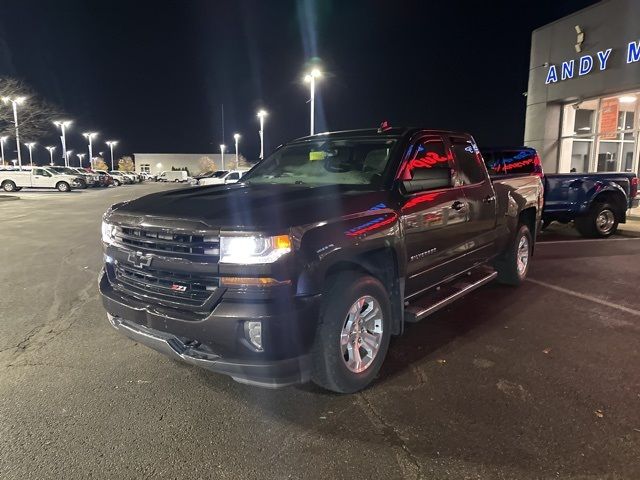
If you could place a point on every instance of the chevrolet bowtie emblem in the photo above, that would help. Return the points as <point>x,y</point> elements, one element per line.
<point>139,259</point>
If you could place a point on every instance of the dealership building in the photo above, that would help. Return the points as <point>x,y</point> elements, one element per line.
<point>583,98</point>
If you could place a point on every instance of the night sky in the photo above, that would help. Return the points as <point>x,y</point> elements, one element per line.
<point>154,74</point>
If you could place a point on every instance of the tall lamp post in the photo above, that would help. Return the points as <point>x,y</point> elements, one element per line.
<point>67,155</point>
<point>111,144</point>
<point>222,147</point>
<point>310,78</point>
<point>30,146</point>
<point>63,124</point>
<point>89,136</point>
<point>80,158</point>
<point>261,115</point>
<point>51,149</point>
<point>236,138</point>
<point>2,140</point>
<point>15,101</point>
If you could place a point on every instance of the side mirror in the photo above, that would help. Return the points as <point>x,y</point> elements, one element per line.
<point>428,179</point>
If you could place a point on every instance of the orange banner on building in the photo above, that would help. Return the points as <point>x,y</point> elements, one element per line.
<point>609,118</point>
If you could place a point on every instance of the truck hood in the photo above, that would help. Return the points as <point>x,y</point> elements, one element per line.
<point>260,207</point>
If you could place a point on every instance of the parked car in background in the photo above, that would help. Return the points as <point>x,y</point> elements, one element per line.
<point>105,178</point>
<point>221,177</point>
<point>148,176</point>
<point>101,180</point>
<point>86,179</point>
<point>173,176</point>
<point>38,177</point>
<point>120,178</point>
<point>135,176</point>
<point>595,202</point>
<point>306,268</point>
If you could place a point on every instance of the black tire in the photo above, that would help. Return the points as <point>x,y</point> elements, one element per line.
<point>329,366</point>
<point>82,184</point>
<point>601,221</point>
<point>510,267</point>
<point>9,186</point>
<point>63,187</point>
<point>116,183</point>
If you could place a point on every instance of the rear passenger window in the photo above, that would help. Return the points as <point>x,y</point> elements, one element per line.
<point>493,163</point>
<point>468,161</point>
<point>518,161</point>
<point>429,152</point>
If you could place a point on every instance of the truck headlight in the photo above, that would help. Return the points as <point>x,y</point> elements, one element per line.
<point>251,249</point>
<point>108,233</point>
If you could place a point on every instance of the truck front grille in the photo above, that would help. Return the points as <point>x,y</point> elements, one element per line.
<point>170,288</point>
<point>156,240</point>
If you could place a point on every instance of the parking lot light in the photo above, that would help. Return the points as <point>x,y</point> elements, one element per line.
<point>236,138</point>
<point>261,115</point>
<point>30,146</point>
<point>2,140</point>
<point>67,155</point>
<point>111,144</point>
<point>15,101</point>
<point>222,147</point>
<point>80,158</point>
<point>310,78</point>
<point>63,124</point>
<point>89,136</point>
<point>51,149</point>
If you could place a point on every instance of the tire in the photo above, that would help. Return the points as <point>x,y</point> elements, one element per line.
<point>63,186</point>
<point>116,183</point>
<point>334,363</point>
<point>9,186</point>
<point>601,221</point>
<point>82,184</point>
<point>513,266</point>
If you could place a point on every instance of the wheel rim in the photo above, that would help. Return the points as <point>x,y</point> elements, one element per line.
<point>361,335</point>
<point>605,221</point>
<point>522,256</point>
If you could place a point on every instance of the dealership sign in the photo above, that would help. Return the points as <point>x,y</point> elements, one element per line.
<point>585,64</point>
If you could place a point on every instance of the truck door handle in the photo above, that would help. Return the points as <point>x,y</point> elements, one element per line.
<point>489,199</point>
<point>457,205</point>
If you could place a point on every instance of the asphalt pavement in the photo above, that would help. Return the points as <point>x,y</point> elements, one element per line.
<point>541,381</point>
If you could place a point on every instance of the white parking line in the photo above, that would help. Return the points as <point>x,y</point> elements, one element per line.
<point>585,297</point>
<point>543,242</point>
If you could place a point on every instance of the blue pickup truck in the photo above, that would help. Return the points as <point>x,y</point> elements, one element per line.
<point>595,202</point>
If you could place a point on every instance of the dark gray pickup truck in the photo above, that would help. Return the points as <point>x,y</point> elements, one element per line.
<point>324,250</point>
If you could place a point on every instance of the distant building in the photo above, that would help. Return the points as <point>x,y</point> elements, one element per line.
<point>156,163</point>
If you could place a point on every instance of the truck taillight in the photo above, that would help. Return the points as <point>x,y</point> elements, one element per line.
<point>537,166</point>
<point>634,187</point>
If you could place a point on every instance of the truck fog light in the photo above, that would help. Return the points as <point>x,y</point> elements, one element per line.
<point>253,331</point>
<point>108,259</point>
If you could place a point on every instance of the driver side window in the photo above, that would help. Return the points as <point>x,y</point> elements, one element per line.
<point>428,153</point>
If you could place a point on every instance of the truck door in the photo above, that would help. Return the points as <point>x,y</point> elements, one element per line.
<point>480,197</point>
<point>434,221</point>
<point>40,178</point>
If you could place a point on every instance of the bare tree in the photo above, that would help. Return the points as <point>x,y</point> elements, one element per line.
<point>35,116</point>
<point>125,164</point>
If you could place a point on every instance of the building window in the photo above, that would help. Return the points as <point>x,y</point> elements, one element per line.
<point>145,168</point>
<point>601,135</point>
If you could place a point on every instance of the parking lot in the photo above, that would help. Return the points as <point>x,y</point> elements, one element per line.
<point>536,382</point>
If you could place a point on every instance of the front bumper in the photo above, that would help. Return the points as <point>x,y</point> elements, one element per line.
<point>217,341</point>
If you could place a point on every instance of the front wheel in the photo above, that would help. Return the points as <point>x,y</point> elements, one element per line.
<point>601,221</point>
<point>63,186</point>
<point>513,266</point>
<point>353,336</point>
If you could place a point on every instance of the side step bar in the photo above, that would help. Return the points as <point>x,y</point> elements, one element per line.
<point>447,294</point>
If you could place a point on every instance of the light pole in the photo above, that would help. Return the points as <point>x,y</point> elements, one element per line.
<point>63,124</point>
<point>30,147</point>
<point>310,78</point>
<point>236,138</point>
<point>51,149</point>
<point>222,147</point>
<point>2,140</point>
<point>261,115</point>
<point>111,144</point>
<point>15,101</point>
<point>80,158</point>
<point>89,136</point>
<point>67,155</point>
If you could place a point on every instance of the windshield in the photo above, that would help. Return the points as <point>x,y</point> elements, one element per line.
<point>218,174</point>
<point>326,162</point>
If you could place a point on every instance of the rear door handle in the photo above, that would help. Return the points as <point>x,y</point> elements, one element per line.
<point>489,199</point>
<point>457,205</point>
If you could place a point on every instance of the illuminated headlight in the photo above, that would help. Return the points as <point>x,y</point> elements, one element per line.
<point>253,249</point>
<point>253,331</point>
<point>108,233</point>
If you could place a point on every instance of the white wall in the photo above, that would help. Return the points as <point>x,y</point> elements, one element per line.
<point>160,162</point>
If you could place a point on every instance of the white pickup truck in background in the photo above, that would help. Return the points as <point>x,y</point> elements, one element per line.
<point>38,177</point>
<point>221,177</point>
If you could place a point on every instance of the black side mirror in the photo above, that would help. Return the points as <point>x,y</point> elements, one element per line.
<point>428,179</point>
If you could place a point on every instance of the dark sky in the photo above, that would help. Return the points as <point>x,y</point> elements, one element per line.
<point>154,74</point>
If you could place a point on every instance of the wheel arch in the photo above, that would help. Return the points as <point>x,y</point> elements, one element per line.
<point>615,197</point>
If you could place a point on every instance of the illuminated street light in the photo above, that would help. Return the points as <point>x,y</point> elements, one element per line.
<point>310,78</point>
<point>222,147</point>
<point>111,144</point>
<point>89,136</point>
<point>80,158</point>
<point>2,140</point>
<point>236,138</point>
<point>63,124</point>
<point>15,101</point>
<point>30,146</point>
<point>51,149</point>
<point>67,155</point>
<point>261,115</point>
